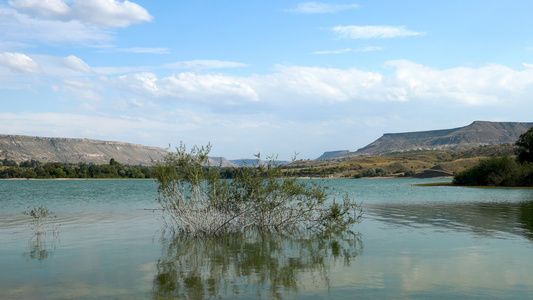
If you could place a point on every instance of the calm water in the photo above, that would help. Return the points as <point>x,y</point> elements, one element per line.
<point>414,242</point>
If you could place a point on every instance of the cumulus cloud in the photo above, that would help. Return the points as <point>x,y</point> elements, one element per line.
<point>372,32</point>
<point>76,64</point>
<point>107,13</point>
<point>321,8</point>
<point>296,86</point>
<point>19,63</point>
<point>15,26</point>
<point>50,9</point>
<point>329,102</point>
<point>188,86</point>
<point>473,86</point>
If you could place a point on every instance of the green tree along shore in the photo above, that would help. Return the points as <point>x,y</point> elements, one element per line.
<point>506,170</point>
<point>38,170</point>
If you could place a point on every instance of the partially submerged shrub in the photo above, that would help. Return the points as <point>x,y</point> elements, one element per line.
<point>41,220</point>
<point>197,202</point>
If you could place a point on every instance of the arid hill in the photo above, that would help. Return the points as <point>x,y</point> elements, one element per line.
<point>479,133</point>
<point>67,150</point>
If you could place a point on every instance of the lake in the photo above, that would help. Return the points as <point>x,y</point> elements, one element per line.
<point>414,242</point>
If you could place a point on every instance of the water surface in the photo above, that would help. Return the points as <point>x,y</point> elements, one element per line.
<point>414,242</point>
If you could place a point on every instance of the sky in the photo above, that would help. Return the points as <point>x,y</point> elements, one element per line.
<point>275,77</point>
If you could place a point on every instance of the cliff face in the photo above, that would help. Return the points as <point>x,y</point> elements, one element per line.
<point>476,134</point>
<point>18,148</point>
<point>333,154</point>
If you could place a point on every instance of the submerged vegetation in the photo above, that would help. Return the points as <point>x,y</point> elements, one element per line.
<point>197,201</point>
<point>41,221</point>
<point>506,170</point>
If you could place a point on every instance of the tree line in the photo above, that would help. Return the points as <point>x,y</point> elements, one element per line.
<point>39,170</point>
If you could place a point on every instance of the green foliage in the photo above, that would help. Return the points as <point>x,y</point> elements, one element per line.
<point>503,170</point>
<point>9,163</point>
<point>525,147</point>
<point>374,173</point>
<point>196,201</point>
<point>36,169</point>
<point>495,171</point>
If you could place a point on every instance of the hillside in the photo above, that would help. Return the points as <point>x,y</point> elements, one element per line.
<point>333,154</point>
<point>479,133</point>
<point>67,150</point>
<point>422,164</point>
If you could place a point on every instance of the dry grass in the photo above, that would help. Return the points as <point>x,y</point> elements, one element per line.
<point>445,163</point>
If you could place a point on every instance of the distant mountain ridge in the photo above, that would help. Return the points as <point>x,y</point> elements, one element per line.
<point>478,133</point>
<point>333,154</point>
<point>70,150</point>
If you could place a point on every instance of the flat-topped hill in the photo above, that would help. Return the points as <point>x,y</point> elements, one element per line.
<point>479,133</point>
<point>69,150</point>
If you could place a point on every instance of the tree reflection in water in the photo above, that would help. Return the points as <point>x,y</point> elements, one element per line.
<point>258,263</point>
<point>39,248</point>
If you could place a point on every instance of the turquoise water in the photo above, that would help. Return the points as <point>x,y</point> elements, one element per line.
<point>414,242</point>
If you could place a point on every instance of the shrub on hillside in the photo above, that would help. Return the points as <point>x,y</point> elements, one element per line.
<point>495,171</point>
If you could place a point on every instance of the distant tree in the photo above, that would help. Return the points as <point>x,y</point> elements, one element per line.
<point>525,147</point>
<point>9,163</point>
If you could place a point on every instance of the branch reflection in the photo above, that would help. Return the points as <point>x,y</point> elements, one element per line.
<point>262,264</point>
<point>40,248</point>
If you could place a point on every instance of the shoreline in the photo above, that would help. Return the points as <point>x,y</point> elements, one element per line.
<point>37,179</point>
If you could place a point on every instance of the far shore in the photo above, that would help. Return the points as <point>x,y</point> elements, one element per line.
<point>36,179</point>
<point>473,186</point>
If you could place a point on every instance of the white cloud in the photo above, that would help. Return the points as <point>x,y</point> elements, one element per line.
<point>288,108</point>
<point>108,13</point>
<point>307,88</point>
<point>13,45</point>
<point>18,62</point>
<point>188,86</point>
<point>50,9</point>
<point>371,32</point>
<point>321,8</point>
<point>19,27</point>
<point>473,86</point>
<point>82,89</point>
<point>76,64</point>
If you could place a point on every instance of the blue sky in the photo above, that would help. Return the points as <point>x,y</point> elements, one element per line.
<point>275,77</point>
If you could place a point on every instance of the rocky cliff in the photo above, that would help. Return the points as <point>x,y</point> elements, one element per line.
<point>476,134</point>
<point>67,150</point>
